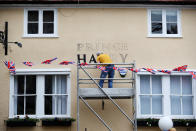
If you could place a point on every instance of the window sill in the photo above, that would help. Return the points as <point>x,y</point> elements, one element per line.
<point>40,36</point>
<point>164,36</point>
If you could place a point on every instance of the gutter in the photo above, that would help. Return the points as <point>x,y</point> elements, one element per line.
<point>96,6</point>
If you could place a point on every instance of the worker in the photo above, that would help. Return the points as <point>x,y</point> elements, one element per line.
<point>109,68</point>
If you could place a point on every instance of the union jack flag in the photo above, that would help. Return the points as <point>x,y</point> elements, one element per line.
<point>11,66</point>
<point>48,61</point>
<point>28,63</point>
<point>66,62</point>
<point>181,68</point>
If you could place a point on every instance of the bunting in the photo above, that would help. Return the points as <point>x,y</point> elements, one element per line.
<point>164,71</point>
<point>83,64</point>
<point>181,68</point>
<point>66,62</point>
<point>28,63</point>
<point>150,70</point>
<point>11,66</point>
<point>49,61</point>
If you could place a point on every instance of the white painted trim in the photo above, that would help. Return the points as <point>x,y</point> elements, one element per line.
<point>194,97</point>
<point>69,95</point>
<point>163,74</point>
<point>164,29</point>
<point>166,95</point>
<point>40,95</point>
<point>137,96</point>
<point>40,36</point>
<point>42,71</point>
<point>11,101</point>
<point>40,23</point>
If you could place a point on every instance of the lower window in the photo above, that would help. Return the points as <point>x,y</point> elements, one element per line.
<point>40,95</point>
<point>165,95</point>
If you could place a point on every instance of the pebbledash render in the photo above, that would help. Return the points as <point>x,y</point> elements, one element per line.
<point>154,34</point>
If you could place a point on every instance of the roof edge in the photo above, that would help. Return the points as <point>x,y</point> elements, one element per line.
<point>95,6</point>
<point>147,2</point>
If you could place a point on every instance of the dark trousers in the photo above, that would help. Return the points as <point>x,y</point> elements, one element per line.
<point>110,72</point>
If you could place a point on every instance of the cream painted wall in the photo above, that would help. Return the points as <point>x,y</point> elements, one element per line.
<point>85,31</point>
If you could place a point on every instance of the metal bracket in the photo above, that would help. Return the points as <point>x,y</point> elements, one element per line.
<point>103,103</point>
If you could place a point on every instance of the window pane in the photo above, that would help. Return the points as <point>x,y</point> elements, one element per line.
<point>187,105</point>
<point>20,105</point>
<point>32,28</point>
<point>187,85</point>
<point>156,85</point>
<point>171,16</point>
<point>61,105</point>
<point>145,84</point>
<point>20,84</point>
<point>48,16</point>
<point>156,15</point>
<point>30,84</point>
<point>30,104</point>
<point>48,105</point>
<point>48,84</point>
<point>172,28</point>
<point>61,85</point>
<point>156,28</point>
<point>33,16</point>
<point>175,85</point>
<point>175,105</point>
<point>156,104</point>
<point>145,104</point>
<point>48,28</point>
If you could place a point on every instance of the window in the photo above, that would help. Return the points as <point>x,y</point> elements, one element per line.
<point>181,95</point>
<point>55,95</point>
<point>162,95</point>
<point>151,94</point>
<point>40,23</point>
<point>25,95</point>
<point>40,94</point>
<point>164,23</point>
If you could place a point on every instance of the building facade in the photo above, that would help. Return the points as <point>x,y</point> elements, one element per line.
<point>155,34</point>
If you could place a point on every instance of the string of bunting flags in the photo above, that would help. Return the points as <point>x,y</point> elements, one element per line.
<point>11,67</point>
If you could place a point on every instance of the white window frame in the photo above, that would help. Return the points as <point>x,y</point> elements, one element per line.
<point>40,91</point>
<point>166,97</point>
<point>40,23</point>
<point>164,26</point>
<point>151,95</point>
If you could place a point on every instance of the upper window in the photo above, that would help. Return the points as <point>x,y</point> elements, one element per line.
<point>40,94</point>
<point>164,23</point>
<point>161,95</point>
<point>40,23</point>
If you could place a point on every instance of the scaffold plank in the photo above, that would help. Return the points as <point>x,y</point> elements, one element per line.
<point>115,93</point>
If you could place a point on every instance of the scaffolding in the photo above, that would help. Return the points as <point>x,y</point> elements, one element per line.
<point>106,93</point>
